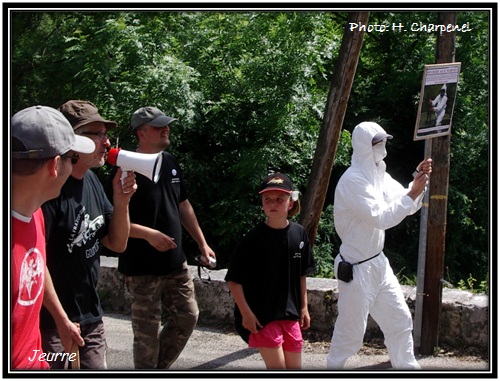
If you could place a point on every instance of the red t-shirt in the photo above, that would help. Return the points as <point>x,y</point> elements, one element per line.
<point>28,278</point>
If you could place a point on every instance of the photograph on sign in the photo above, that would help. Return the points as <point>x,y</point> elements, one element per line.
<point>437,99</point>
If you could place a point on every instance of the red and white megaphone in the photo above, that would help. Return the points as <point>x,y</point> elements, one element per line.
<point>147,164</point>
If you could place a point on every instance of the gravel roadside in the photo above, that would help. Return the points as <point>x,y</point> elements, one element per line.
<point>217,349</point>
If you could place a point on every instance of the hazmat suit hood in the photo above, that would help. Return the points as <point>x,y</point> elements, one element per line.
<point>362,157</point>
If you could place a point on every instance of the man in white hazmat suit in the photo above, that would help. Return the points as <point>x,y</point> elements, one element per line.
<point>439,105</point>
<point>367,202</point>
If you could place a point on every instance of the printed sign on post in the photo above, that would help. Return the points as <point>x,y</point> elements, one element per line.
<point>437,99</point>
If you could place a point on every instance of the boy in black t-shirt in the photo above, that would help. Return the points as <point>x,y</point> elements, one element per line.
<point>267,279</point>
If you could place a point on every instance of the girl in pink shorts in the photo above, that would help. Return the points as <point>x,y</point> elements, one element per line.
<point>267,278</point>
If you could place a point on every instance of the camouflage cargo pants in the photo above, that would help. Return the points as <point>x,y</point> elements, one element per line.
<point>176,295</point>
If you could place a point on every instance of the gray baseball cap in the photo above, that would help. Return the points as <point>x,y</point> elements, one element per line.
<point>380,136</point>
<point>41,132</point>
<point>150,116</point>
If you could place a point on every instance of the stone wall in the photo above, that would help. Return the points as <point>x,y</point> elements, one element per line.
<point>464,320</point>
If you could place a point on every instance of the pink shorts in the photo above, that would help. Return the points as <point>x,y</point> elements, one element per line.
<point>278,333</point>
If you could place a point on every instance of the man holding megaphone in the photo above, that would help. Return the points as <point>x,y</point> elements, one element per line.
<point>78,223</point>
<point>154,264</point>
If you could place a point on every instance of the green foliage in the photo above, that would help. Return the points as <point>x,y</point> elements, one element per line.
<point>406,280</point>
<point>249,91</point>
<point>471,284</point>
<point>262,110</point>
<point>326,245</point>
<point>468,239</point>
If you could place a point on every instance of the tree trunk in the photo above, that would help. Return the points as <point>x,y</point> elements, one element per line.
<point>331,127</point>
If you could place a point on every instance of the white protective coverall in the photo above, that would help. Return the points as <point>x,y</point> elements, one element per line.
<point>367,202</point>
<point>439,104</point>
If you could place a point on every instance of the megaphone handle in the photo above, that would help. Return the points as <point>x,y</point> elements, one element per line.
<point>122,178</point>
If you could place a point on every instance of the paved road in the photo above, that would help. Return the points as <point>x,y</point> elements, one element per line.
<point>212,351</point>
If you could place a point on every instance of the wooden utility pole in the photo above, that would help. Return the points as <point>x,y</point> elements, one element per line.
<point>438,202</point>
<point>338,97</point>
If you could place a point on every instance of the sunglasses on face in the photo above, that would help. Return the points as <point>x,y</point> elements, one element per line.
<point>73,156</point>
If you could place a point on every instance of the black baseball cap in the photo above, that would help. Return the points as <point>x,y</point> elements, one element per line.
<point>277,181</point>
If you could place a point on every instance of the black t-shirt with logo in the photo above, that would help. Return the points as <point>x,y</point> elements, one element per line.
<point>156,205</point>
<point>269,263</point>
<point>75,223</point>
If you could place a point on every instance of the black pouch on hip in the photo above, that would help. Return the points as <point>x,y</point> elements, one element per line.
<point>344,271</point>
